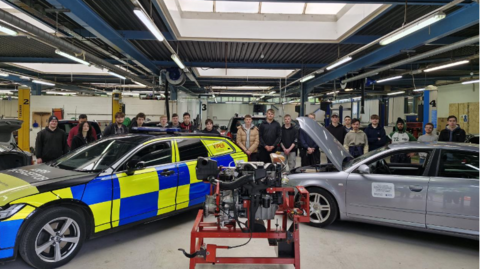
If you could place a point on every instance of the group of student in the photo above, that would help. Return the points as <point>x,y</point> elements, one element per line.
<point>257,142</point>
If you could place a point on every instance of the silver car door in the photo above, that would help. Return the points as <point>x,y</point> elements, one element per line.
<point>453,200</point>
<point>392,192</point>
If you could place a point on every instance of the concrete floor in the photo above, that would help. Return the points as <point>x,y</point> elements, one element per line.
<point>342,245</point>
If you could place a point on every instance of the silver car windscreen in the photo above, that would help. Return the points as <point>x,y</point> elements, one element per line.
<point>335,151</point>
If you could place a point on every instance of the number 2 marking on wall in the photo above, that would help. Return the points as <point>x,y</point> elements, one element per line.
<point>26,101</point>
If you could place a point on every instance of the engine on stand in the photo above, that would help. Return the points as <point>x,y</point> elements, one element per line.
<point>251,191</point>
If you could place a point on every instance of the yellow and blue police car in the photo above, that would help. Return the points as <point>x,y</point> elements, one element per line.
<point>47,211</point>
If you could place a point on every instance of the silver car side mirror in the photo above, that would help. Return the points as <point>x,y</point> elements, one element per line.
<point>363,169</point>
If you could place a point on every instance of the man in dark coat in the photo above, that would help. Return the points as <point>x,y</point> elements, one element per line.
<point>453,132</point>
<point>51,142</point>
<point>116,127</point>
<point>376,135</point>
<point>270,133</point>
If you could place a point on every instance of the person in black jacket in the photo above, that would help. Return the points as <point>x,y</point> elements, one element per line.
<point>270,133</point>
<point>376,135</point>
<point>288,144</point>
<point>138,122</point>
<point>209,127</point>
<point>51,142</point>
<point>116,127</point>
<point>84,136</point>
<point>453,132</point>
<point>309,151</point>
<point>337,129</point>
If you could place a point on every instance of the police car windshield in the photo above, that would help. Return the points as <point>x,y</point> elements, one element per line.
<point>97,156</point>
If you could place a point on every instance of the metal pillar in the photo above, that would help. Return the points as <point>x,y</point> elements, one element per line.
<point>426,109</point>
<point>24,116</point>
<point>303,100</point>
<point>116,103</point>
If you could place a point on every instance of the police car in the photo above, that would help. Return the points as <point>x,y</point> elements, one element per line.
<point>48,210</point>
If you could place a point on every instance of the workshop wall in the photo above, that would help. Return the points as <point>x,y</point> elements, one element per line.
<point>9,108</point>
<point>455,93</point>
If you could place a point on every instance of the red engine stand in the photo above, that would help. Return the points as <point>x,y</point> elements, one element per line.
<point>202,230</point>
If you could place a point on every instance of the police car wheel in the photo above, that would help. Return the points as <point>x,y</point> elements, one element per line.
<point>323,208</point>
<point>53,238</point>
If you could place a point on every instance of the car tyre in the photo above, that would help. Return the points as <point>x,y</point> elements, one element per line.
<point>53,238</point>
<point>323,207</point>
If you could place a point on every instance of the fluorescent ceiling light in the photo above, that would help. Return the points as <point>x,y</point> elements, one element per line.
<point>177,60</point>
<point>71,57</point>
<point>236,7</point>
<point>243,88</point>
<point>24,78</point>
<point>419,90</point>
<point>3,74</point>
<point>242,73</point>
<point>62,93</point>
<point>332,93</point>
<point>272,92</point>
<point>323,9</point>
<point>446,66</point>
<point>140,84</point>
<point>388,79</point>
<point>413,28</point>
<point>339,62</point>
<point>148,23</point>
<point>213,96</point>
<point>395,93</point>
<point>43,82</point>
<point>306,78</point>
<point>125,69</point>
<point>196,6</point>
<point>116,75</point>
<point>282,8</point>
<point>349,89</point>
<point>357,98</point>
<point>471,82</point>
<point>7,31</point>
<point>233,102</point>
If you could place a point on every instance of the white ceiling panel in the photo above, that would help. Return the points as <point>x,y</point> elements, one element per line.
<point>237,7</point>
<point>243,73</point>
<point>282,8</point>
<point>324,9</point>
<point>196,5</point>
<point>49,68</point>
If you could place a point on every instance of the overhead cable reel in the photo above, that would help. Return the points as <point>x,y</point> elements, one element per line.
<point>176,76</point>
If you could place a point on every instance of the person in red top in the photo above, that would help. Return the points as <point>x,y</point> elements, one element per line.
<point>74,131</point>
<point>187,125</point>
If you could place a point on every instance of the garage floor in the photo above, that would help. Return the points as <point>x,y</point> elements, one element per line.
<point>342,245</point>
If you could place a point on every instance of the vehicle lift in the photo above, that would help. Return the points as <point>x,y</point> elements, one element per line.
<point>286,240</point>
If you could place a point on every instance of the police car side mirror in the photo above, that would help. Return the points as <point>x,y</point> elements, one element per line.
<point>134,165</point>
<point>363,169</point>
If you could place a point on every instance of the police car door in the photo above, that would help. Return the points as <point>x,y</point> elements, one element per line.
<point>191,191</point>
<point>151,189</point>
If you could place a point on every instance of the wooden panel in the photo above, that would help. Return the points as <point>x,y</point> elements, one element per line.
<point>441,124</point>
<point>463,110</point>
<point>453,110</point>
<point>473,118</point>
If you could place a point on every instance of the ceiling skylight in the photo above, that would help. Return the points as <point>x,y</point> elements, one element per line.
<point>196,5</point>
<point>242,88</point>
<point>243,73</point>
<point>237,7</point>
<point>282,8</point>
<point>323,9</point>
<point>61,68</point>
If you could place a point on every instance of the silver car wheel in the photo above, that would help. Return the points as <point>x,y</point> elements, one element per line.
<point>57,239</point>
<point>319,208</point>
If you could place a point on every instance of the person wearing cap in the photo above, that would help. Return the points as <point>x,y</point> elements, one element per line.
<point>74,131</point>
<point>51,142</point>
<point>116,127</point>
<point>400,135</point>
<point>337,129</point>
<point>376,135</point>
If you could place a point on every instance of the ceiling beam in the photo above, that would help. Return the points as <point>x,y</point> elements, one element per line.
<point>82,14</point>
<point>455,21</point>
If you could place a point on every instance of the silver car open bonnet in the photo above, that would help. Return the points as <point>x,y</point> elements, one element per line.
<point>7,127</point>
<point>335,151</point>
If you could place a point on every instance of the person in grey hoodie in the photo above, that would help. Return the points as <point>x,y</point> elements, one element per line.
<point>453,132</point>
<point>427,137</point>
<point>356,141</point>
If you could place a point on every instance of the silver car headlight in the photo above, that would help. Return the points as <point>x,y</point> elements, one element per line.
<point>10,211</point>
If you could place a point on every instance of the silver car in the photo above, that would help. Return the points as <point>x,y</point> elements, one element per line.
<point>437,191</point>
